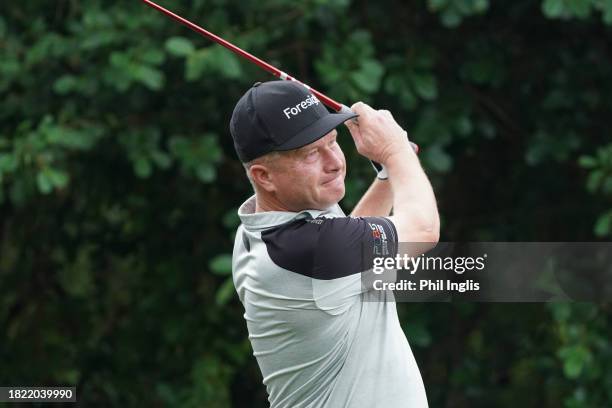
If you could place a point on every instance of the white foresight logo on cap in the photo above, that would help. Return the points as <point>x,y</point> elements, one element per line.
<point>305,104</point>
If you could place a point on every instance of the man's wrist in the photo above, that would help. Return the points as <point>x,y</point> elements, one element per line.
<point>398,155</point>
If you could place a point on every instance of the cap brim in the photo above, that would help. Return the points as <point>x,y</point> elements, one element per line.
<point>316,131</point>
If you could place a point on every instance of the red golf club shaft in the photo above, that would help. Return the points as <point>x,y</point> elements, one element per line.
<point>271,69</point>
<point>329,102</point>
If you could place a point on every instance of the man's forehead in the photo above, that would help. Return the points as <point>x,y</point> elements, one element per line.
<point>319,142</point>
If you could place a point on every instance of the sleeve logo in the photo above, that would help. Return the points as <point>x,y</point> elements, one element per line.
<point>380,247</point>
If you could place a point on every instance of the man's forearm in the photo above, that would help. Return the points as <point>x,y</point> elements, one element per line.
<point>376,202</point>
<point>414,202</point>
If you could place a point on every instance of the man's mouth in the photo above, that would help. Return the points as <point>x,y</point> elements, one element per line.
<point>332,179</point>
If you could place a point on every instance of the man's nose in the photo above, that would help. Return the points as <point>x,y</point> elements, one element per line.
<point>333,160</point>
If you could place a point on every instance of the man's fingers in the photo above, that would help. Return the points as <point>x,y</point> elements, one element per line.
<point>351,124</point>
<point>362,109</point>
<point>386,113</point>
<point>353,128</point>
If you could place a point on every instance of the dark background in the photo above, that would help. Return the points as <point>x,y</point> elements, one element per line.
<point>119,185</point>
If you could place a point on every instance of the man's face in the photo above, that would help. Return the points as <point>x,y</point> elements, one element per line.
<point>311,177</point>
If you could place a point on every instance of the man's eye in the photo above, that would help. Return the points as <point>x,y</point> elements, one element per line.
<point>312,153</point>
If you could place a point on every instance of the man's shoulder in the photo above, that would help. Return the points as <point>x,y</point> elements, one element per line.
<point>326,247</point>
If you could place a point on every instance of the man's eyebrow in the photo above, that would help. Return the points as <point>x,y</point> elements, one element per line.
<point>306,148</point>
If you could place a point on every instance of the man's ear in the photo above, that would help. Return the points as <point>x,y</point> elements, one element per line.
<point>262,177</point>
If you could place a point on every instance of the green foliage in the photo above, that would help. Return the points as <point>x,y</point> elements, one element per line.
<point>599,182</point>
<point>179,46</point>
<point>584,352</point>
<point>197,156</point>
<point>581,9</point>
<point>452,12</point>
<point>412,78</point>
<point>352,70</point>
<point>119,185</point>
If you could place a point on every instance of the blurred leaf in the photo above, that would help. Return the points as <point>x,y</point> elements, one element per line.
<point>221,265</point>
<point>368,76</point>
<point>225,292</point>
<point>214,59</point>
<point>65,84</point>
<point>595,180</point>
<point>75,277</point>
<point>161,159</point>
<point>142,167</point>
<point>228,63</point>
<point>425,86</point>
<point>206,173</point>
<point>152,56</point>
<point>574,360</point>
<point>8,163</point>
<point>587,162</point>
<point>437,159</point>
<point>58,178</point>
<point>179,46</point>
<point>418,335</point>
<point>197,155</point>
<point>603,225</point>
<point>552,8</point>
<point>196,64</point>
<point>45,184</point>
<point>150,77</point>
<point>231,219</point>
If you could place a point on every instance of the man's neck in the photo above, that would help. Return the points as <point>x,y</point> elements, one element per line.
<point>264,203</point>
<point>267,202</point>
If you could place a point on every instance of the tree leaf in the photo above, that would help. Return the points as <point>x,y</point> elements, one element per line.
<point>438,159</point>
<point>45,184</point>
<point>425,86</point>
<point>231,219</point>
<point>369,76</point>
<point>206,173</point>
<point>152,56</point>
<point>149,76</point>
<point>603,224</point>
<point>588,162</point>
<point>65,84</point>
<point>58,178</point>
<point>161,159</point>
<point>225,292</point>
<point>221,265</point>
<point>227,63</point>
<point>142,167</point>
<point>179,46</point>
<point>552,8</point>
<point>196,64</point>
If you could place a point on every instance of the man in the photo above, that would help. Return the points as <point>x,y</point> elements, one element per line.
<point>321,337</point>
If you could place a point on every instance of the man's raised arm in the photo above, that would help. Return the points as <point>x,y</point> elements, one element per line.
<point>378,137</point>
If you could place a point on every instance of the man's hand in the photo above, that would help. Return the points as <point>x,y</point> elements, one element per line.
<point>377,135</point>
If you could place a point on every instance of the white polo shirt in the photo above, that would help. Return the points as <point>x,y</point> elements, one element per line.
<point>322,339</point>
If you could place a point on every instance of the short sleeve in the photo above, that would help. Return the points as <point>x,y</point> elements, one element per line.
<point>331,248</point>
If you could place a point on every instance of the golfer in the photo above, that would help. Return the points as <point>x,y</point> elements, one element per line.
<point>321,337</point>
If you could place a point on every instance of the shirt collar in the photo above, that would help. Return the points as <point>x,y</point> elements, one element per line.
<point>254,221</point>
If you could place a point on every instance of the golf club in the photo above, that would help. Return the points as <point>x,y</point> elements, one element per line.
<point>329,102</point>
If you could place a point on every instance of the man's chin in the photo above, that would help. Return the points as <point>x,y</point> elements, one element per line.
<point>334,197</point>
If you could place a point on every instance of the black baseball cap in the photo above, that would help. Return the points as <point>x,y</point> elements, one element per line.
<point>279,116</point>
